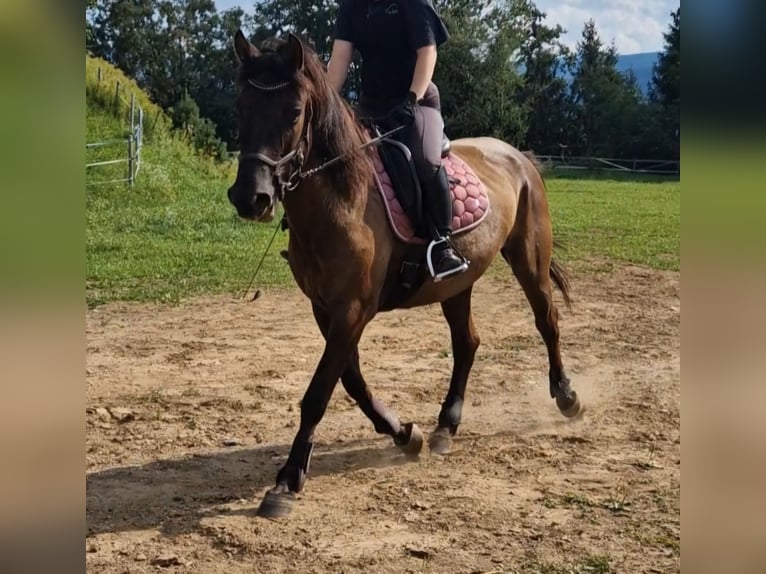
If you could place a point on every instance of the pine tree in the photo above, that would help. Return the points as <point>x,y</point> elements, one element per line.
<point>475,71</point>
<point>543,95</point>
<point>605,102</point>
<point>665,89</point>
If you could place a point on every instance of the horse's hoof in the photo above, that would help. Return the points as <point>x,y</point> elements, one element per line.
<point>414,443</point>
<point>276,504</point>
<point>569,406</point>
<point>440,442</point>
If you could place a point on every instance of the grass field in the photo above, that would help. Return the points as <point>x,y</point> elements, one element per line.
<point>616,217</point>
<point>176,235</point>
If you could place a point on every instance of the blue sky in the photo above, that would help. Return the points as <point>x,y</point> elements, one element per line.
<point>634,25</point>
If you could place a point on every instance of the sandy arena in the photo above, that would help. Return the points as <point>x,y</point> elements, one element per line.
<point>192,408</point>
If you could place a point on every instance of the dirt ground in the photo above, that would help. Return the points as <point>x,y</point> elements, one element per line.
<point>191,409</point>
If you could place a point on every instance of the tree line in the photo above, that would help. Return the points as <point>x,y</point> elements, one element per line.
<point>504,72</point>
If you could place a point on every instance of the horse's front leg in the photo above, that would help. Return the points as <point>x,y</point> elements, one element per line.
<point>408,436</point>
<point>344,330</point>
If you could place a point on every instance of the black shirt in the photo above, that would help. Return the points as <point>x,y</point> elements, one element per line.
<point>388,34</point>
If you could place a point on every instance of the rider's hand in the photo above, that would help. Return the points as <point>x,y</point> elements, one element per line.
<point>404,112</point>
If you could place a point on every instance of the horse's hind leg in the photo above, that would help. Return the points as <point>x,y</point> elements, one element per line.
<point>529,251</point>
<point>465,342</point>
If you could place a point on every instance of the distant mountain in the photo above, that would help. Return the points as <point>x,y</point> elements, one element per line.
<point>641,64</point>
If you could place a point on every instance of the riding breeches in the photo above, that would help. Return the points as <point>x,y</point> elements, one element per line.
<point>423,137</point>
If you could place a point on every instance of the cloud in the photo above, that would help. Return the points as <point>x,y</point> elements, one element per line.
<point>633,25</point>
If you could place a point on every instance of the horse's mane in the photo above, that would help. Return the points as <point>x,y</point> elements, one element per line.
<point>335,131</point>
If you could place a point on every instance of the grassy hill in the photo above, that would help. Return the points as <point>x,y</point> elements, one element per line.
<point>173,233</point>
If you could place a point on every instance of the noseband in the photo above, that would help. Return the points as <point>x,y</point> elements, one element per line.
<point>294,157</point>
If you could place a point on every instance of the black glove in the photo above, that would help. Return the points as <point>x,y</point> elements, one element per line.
<point>404,112</point>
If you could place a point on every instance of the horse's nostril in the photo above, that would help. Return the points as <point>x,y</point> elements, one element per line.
<point>261,200</point>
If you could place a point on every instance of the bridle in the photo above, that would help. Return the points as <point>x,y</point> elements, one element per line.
<point>295,158</point>
<point>296,155</point>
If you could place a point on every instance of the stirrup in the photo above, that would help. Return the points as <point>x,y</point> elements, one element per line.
<point>429,262</point>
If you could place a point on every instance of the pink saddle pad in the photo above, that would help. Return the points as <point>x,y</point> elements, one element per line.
<point>470,203</point>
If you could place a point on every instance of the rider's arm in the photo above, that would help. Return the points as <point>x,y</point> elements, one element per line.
<point>426,31</point>
<point>424,70</point>
<point>340,60</point>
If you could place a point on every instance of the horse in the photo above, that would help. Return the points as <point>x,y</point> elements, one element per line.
<point>301,145</point>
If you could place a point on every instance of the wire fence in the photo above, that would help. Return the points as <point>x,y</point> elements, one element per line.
<point>648,166</point>
<point>130,144</point>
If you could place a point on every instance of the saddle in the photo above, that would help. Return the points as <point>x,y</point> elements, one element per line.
<point>397,181</point>
<point>398,184</point>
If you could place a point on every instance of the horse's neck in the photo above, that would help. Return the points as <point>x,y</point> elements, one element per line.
<point>334,198</point>
<point>317,208</point>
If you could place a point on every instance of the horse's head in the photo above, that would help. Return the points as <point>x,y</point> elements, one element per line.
<point>273,130</point>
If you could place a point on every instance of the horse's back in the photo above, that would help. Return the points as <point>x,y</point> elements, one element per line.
<point>497,163</point>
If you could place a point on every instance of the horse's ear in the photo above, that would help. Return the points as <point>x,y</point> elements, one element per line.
<point>244,49</point>
<point>295,52</point>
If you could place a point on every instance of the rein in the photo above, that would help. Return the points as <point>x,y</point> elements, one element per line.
<point>299,174</point>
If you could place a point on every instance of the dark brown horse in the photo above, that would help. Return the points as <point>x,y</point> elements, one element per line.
<point>345,257</point>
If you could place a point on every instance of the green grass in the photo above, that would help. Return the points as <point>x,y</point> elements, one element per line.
<point>617,218</point>
<point>174,233</point>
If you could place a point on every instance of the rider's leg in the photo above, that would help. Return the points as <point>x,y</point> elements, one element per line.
<point>426,146</point>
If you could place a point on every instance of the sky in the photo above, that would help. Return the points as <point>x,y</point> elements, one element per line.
<point>634,25</point>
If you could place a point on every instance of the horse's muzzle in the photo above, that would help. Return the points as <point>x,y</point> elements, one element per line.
<point>257,207</point>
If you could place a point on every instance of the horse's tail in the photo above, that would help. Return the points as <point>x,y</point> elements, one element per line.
<point>558,273</point>
<point>530,155</point>
<point>560,277</point>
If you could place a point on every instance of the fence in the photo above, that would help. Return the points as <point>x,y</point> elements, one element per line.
<point>651,166</point>
<point>131,143</point>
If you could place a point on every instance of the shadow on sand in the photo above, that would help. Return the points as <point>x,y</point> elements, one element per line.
<point>173,495</point>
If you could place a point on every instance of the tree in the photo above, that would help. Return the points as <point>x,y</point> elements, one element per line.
<point>125,33</point>
<point>173,48</point>
<point>665,88</point>
<point>312,20</point>
<point>475,72</point>
<point>605,102</point>
<point>544,92</point>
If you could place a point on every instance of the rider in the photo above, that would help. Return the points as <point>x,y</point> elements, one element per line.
<point>398,40</point>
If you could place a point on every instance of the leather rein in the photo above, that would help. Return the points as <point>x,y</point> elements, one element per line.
<point>296,155</point>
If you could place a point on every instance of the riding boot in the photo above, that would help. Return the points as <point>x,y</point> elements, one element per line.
<point>441,257</point>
